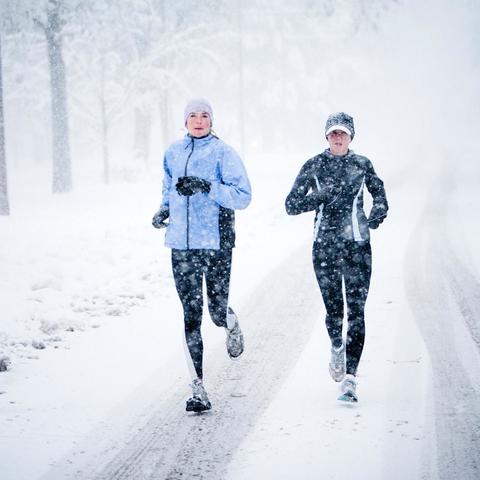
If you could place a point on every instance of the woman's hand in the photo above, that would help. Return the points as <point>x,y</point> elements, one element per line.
<point>188,186</point>
<point>158,220</point>
<point>377,215</point>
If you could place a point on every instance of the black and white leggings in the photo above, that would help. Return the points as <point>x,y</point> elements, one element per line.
<point>189,267</point>
<point>333,260</point>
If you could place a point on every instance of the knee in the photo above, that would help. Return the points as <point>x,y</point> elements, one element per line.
<point>334,320</point>
<point>217,307</point>
<point>334,308</point>
<point>356,327</point>
<point>219,321</point>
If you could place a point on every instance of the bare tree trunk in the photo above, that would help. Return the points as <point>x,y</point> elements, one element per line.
<point>165,118</point>
<point>4,206</point>
<point>164,107</point>
<point>105,153</point>
<point>62,170</point>
<point>143,121</point>
<point>143,112</point>
<point>103,113</point>
<point>283,89</point>
<point>241,82</point>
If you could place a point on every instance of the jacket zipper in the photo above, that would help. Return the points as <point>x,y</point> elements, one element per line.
<point>188,198</point>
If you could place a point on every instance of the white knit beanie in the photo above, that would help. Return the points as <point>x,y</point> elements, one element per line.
<point>197,105</point>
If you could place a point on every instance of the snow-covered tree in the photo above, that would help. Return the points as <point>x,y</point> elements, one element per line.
<point>166,40</point>
<point>97,70</point>
<point>52,25</point>
<point>128,63</point>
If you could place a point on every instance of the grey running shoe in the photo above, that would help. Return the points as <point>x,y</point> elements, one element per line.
<point>235,342</point>
<point>349,387</point>
<point>337,363</point>
<point>199,401</point>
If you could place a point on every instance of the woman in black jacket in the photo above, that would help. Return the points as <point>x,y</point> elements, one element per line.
<point>332,184</point>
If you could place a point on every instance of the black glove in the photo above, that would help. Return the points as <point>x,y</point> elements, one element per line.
<point>377,215</point>
<point>187,186</point>
<point>158,220</point>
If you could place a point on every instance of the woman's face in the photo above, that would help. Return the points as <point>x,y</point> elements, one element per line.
<point>199,124</point>
<point>339,142</point>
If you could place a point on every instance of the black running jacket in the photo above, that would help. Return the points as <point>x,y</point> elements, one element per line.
<point>333,187</point>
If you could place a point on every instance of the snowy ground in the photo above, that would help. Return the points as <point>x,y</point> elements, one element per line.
<point>92,329</point>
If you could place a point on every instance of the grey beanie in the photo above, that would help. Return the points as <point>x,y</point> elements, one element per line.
<point>197,105</point>
<point>340,121</point>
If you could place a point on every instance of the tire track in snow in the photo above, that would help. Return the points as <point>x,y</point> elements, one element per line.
<point>443,295</point>
<point>466,290</point>
<point>277,323</point>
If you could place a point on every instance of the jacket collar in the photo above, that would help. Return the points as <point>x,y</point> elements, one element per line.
<point>198,142</point>
<point>330,155</point>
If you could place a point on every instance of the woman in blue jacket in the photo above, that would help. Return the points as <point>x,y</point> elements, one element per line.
<point>332,184</point>
<point>204,182</point>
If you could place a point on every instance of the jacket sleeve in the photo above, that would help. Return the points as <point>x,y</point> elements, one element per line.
<point>167,183</point>
<point>298,200</point>
<point>233,189</point>
<point>377,190</point>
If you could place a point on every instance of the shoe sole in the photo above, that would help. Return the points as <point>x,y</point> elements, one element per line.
<point>234,357</point>
<point>197,407</point>
<point>348,398</point>
<point>231,355</point>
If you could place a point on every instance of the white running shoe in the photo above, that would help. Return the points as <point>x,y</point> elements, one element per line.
<point>235,342</point>
<point>199,401</point>
<point>337,363</point>
<point>349,387</point>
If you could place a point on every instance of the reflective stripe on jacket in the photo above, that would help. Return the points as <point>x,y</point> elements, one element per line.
<point>337,185</point>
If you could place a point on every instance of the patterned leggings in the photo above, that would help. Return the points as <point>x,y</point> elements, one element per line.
<point>352,262</point>
<point>189,267</point>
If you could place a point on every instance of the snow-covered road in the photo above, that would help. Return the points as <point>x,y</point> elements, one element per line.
<point>93,377</point>
<point>444,294</point>
<point>202,445</point>
<point>108,402</point>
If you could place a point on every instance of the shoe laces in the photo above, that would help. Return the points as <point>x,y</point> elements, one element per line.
<point>349,384</point>
<point>337,359</point>
<point>198,389</point>
<point>235,331</point>
<point>232,319</point>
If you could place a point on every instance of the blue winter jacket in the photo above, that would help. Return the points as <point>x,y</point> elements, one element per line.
<point>204,220</point>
